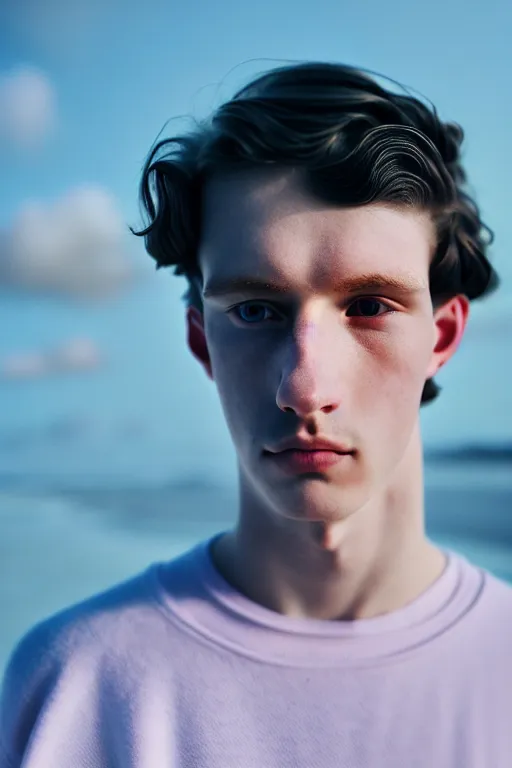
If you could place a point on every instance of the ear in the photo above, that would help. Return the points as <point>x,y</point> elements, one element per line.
<point>450,321</point>
<point>196,339</point>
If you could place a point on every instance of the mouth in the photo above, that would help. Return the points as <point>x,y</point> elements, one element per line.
<point>301,460</point>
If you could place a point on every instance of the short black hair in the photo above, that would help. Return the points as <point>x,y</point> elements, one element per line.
<point>354,141</point>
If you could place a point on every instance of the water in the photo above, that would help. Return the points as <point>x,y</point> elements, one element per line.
<point>59,545</point>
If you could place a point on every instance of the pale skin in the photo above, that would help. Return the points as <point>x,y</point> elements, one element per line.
<point>333,355</point>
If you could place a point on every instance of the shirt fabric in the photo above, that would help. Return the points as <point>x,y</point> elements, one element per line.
<point>174,668</point>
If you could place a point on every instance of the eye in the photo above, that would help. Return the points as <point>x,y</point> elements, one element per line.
<point>369,307</point>
<point>254,312</point>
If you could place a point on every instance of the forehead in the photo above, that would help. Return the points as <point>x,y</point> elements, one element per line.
<point>264,224</point>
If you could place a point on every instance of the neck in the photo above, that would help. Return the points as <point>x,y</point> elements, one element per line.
<point>373,562</point>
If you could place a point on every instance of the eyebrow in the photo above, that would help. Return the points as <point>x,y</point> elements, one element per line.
<point>371,282</point>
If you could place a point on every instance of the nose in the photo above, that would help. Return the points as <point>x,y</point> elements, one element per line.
<point>310,381</point>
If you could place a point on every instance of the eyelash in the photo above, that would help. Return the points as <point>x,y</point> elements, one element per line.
<point>235,310</point>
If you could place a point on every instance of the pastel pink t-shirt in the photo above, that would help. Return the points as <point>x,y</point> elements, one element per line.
<point>173,668</point>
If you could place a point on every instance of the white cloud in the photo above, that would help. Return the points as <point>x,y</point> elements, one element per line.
<point>27,107</point>
<point>75,355</point>
<point>73,246</point>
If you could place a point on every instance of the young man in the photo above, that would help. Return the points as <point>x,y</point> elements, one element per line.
<point>331,253</point>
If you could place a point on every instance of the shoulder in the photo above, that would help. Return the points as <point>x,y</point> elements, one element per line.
<point>80,629</point>
<point>103,647</point>
<point>66,654</point>
<point>118,621</point>
<point>80,624</point>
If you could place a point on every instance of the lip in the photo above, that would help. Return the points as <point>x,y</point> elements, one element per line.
<point>315,444</point>
<point>298,455</point>
<point>297,462</point>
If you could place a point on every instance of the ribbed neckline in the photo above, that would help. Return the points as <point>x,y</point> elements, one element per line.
<point>193,592</point>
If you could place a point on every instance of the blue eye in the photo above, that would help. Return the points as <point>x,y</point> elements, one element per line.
<point>258,312</point>
<point>253,312</point>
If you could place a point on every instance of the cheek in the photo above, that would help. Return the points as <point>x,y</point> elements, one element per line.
<point>234,351</point>
<point>233,354</point>
<point>393,367</point>
<point>240,370</point>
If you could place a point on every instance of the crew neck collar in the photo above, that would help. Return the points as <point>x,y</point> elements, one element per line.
<point>195,592</point>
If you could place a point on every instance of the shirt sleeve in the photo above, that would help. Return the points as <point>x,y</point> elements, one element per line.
<point>26,683</point>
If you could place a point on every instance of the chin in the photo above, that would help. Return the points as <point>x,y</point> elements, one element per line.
<point>315,500</point>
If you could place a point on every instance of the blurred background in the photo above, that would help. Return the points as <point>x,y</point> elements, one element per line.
<point>113,449</point>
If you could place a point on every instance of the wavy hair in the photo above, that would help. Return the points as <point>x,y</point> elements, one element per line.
<point>355,143</point>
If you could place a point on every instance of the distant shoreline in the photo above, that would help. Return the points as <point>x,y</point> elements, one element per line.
<point>478,453</point>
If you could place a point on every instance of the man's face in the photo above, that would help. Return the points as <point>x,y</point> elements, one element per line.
<point>320,346</point>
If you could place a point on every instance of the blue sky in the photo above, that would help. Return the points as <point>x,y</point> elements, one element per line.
<point>114,73</point>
